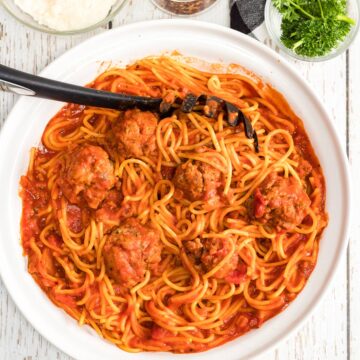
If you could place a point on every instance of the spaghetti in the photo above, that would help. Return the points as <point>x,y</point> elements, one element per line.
<point>173,234</point>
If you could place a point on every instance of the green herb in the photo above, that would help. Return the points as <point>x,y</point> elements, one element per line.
<point>313,27</point>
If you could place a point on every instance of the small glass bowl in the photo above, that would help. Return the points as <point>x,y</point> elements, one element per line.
<point>273,25</point>
<point>185,8</point>
<point>27,20</point>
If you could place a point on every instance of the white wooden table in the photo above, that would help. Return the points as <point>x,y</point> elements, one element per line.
<point>333,332</point>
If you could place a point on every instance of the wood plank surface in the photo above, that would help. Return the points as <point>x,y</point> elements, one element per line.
<point>333,331</point>
<point>353,149</point>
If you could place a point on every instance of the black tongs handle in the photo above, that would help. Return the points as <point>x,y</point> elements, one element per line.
<point>23,83</point>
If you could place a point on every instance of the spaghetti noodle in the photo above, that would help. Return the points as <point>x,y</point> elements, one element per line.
<point>173,234</point>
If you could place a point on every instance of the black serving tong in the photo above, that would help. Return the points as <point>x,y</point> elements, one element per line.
<point>213,105</point>
<point>22,83</point>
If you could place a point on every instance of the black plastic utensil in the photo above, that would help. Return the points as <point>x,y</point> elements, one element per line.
<point>22,83</point>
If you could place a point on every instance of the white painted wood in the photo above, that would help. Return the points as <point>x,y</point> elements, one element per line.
<point>328,334</point>
<point>354,156</point>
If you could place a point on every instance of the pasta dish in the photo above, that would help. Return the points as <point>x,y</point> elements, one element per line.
<point>173,233</point>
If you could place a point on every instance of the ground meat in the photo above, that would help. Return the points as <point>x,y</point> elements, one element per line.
<point>306,268</point>
<point>280,202</point>
<point>194,249</point>
<point>167,172</point>
<point>113,210</point>
<point>215,249</point>
<point>35,196</point>
<point>131,250</point>
<point>197,180</point>
<point>207,253</point>
<point>88,175</point>
<point>135,134</point>
<point>74,218</point>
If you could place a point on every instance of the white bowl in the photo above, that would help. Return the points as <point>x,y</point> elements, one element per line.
<point>28,20</point>
<point>80,65</point>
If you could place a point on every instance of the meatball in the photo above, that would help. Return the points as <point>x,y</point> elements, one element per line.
<point>208,253</point>
<point>197,180</point>
<point>88,174</point>
<point>130,250</point>
<point>281,202</point>
<point>135,134</point>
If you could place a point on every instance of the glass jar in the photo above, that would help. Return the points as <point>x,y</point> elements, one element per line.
<point>184,7</point>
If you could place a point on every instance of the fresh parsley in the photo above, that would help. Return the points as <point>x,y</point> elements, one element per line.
<point>313,27</point>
